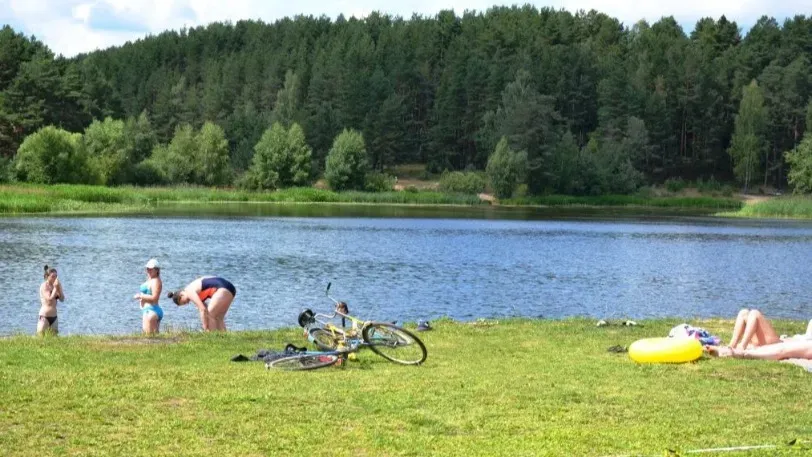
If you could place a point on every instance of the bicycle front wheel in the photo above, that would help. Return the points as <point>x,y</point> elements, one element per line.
<point>303,362</point>
<point>324,339</point>
<point>395,344</point>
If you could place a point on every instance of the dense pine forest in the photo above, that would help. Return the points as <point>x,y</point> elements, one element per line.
<point>584,104</point>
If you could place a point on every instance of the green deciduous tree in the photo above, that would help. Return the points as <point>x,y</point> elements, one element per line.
<point>211,157</point>
<point>176,161</point>
<point>109,151</point>
<point>506,169</point>
<point>800,166</point>
<point>347,163</point>
<point>281,159</point>
<point>748,143</point>
<point>800,159</point>
<point>51,155</point>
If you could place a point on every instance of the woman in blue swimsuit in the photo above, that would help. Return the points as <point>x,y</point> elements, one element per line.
<point>151,312</point>
<point>218,291</point>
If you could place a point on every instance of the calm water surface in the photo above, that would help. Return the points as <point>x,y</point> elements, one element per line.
<point>407,268</point>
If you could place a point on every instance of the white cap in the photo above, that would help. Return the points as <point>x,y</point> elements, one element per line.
<point>153,264</point>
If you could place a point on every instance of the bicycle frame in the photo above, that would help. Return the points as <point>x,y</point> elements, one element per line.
<point>341,334</point>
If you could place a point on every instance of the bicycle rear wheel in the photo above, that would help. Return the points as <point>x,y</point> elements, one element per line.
<point>324,339</point>
<point>303,362</point>
<point>395,344</point>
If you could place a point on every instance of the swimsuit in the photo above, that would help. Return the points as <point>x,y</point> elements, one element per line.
<point>50,319</point>
<point>208,286</point>
<point>145,289</point>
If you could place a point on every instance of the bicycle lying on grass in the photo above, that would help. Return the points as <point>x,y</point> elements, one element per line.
<point>390,341</point>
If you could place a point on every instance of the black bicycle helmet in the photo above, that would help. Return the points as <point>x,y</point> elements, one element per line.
<point>306,318</point>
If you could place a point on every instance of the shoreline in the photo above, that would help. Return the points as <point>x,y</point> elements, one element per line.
<point>20,200</point>
<point>183,334</point>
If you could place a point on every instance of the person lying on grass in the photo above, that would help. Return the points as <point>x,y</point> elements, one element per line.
<point>755,338</point>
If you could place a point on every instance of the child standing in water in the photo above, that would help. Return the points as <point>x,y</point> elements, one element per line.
<point>49,292</point>
<point>151,312</point>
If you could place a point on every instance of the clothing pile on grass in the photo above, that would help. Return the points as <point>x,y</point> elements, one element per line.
<point>269,355</point>
<point>689,331</point>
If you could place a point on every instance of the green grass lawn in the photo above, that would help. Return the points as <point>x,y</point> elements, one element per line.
<point>512,388</point>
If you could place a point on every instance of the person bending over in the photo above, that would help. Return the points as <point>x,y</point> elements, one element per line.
<point>218,291</point>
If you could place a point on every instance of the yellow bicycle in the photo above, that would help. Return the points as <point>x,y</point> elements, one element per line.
<point>390,341</point>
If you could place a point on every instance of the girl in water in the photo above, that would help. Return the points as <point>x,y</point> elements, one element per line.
<point>218,291</point>
<point>151,312</point>
<point>49,292</point>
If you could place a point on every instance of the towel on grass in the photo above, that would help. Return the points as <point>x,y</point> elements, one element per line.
<point>806,364</point>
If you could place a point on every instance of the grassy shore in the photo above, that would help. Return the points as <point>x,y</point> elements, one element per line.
<point>515,387</point>
<point>779,207</point>
<point>68,199</point>
<point>21,199</point>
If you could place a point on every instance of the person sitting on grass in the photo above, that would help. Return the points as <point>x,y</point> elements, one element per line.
<point>755,338</point>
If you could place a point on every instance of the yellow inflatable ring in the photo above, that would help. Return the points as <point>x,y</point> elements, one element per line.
<point>665,350</point>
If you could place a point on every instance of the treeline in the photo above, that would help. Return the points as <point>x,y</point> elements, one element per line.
<point>586,105</point>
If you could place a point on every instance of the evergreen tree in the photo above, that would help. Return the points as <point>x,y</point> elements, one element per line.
<point>140,133</point>
<point>286,110</point>
<point>387,132</point>
<point>244,129</point>
<point>442,90</point>
<point>529,122</point>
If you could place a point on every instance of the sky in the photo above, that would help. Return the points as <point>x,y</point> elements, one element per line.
<point>70,27</point>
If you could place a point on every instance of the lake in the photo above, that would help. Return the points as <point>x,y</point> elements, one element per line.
<point>407,268</point>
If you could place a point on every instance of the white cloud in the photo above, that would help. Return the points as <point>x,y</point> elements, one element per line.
<point>68,26</point>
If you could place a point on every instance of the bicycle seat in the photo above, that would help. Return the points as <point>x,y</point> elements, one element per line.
<point>306,318</point>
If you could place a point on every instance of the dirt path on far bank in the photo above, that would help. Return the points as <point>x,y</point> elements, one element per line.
<point>753,199</point>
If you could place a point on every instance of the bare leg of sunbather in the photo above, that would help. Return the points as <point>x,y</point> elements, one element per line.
<point>738,328</point>
<point>757,331</point>
<point>778,351</point>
